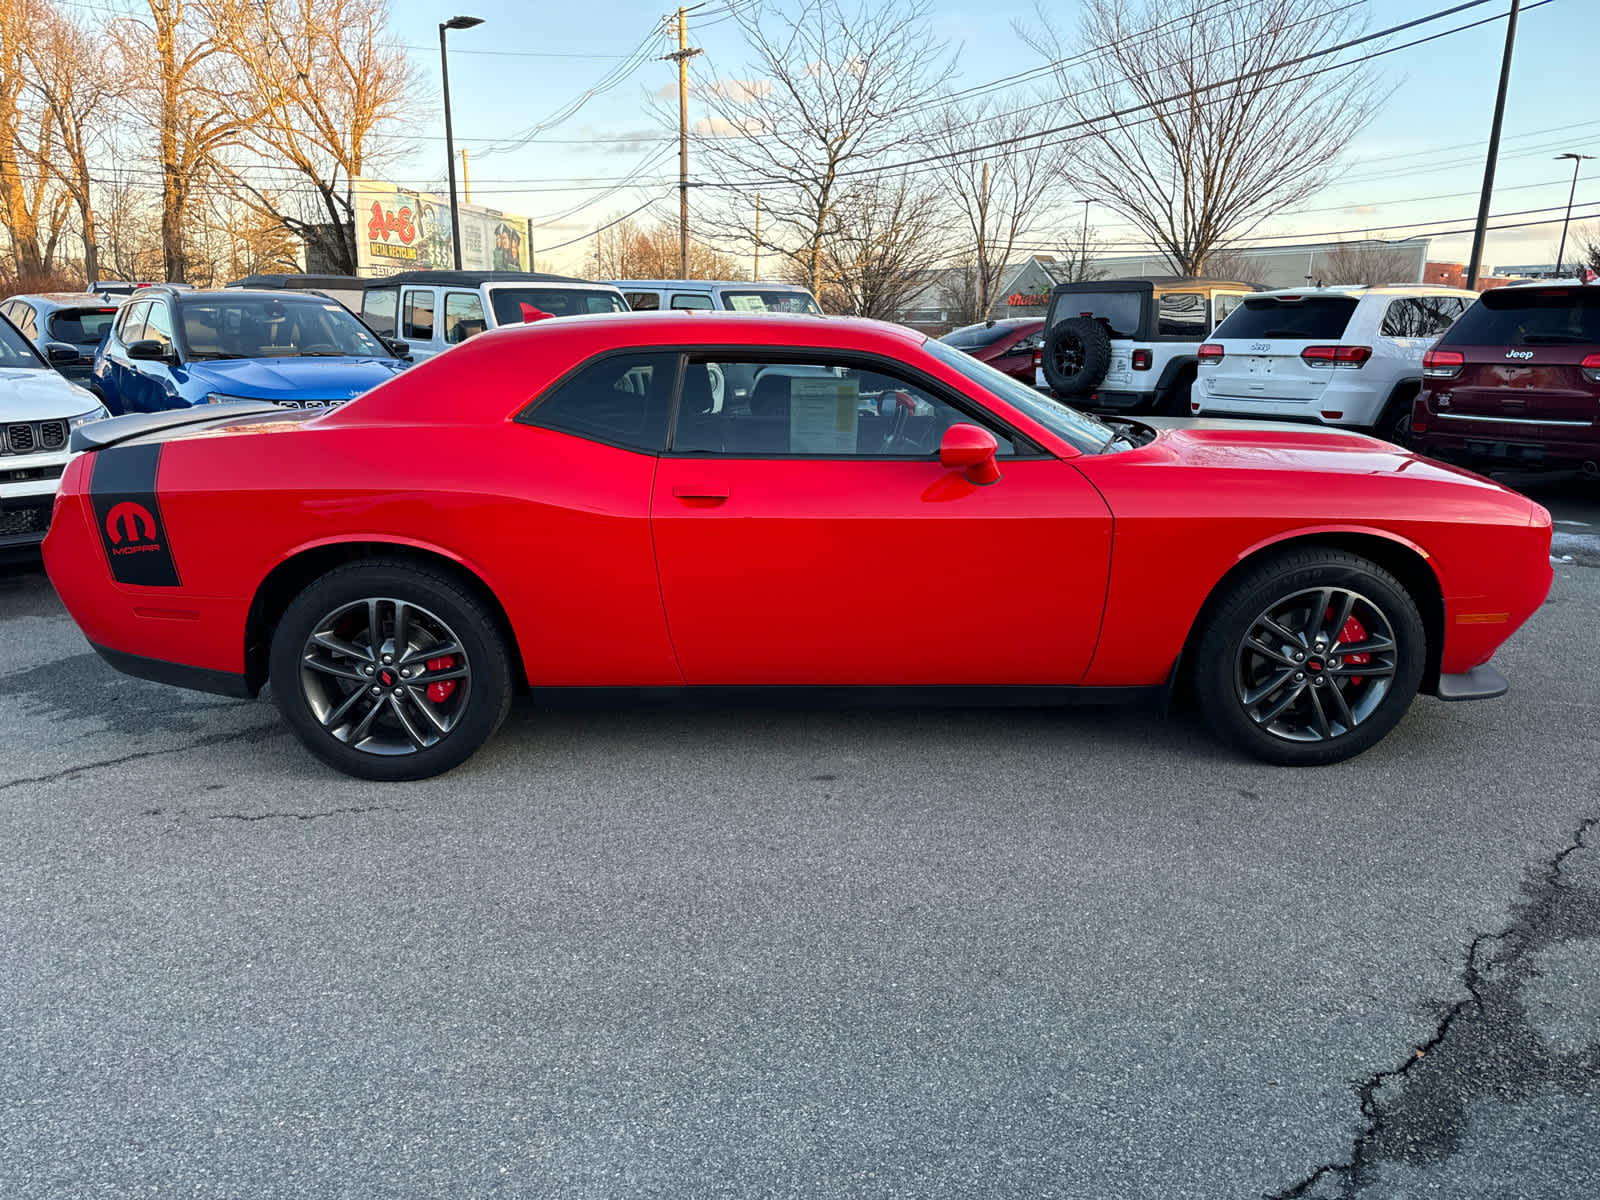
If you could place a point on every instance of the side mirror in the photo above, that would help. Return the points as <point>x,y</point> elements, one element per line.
<point>60,354</point>
<point>150,350</point>
<point>398,348</point>
<point>971,450</point>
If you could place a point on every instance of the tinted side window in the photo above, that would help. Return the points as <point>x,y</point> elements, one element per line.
<point>378,310</point>
<point>691,301</point>
<point>811,409</point>
<point>622,400</point>
<point>418,312</point>
<point>463,316</point>
<point>1182,314</point>
<point>1224,304</point>
<point>131,327</point>
<point>643,301</point>
<point>158,327</point>
<point>1421,316</point>
<point>27,320</point>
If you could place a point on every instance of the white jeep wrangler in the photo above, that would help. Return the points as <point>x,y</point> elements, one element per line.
<point>1131,345</point>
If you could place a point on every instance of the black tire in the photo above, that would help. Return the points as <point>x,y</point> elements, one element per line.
<point>1359,708</point>
<point>1394,423</point>
<point>1077,355</point>
<point>430,611</point>
<point>1174,401</point>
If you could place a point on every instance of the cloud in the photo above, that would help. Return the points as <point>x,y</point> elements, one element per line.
<point>622,141</point>
<point>1365,210</point>
<point>740,91</point>
<point>718,127</point>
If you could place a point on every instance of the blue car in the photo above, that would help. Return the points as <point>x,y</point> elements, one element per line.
<point>174,349</point>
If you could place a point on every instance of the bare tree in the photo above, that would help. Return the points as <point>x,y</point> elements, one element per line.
<point>182,86</point>
<point>1194,132</point>
<point>1236,267</point>
<point>33,206</point>
<point>1003,196</point>
<point>324,84</point>
<point>77,102</point>
<point>630,249</point>
<point>957,288</point>
<point>884,242</point>
<point>822,93</point>
<point>1369,260</point>
<point>130,229</point>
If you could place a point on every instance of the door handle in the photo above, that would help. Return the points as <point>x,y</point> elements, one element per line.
<point>712,492</point>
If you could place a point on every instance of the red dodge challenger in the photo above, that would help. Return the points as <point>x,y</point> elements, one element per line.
<point>589,503</point>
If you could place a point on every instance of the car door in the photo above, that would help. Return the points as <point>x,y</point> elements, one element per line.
<point>114,370</point>
<point>151,384</point>
<point>417,327</point>
<point>809,535</point>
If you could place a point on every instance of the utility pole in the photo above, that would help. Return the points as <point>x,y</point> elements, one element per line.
<point>449,137</point>
<point>682,57</point>
<point>1577,161</point>
<point>1476,262</point>
<point>466,180</point>
<point>755,275</point>
<point>1083,241</point>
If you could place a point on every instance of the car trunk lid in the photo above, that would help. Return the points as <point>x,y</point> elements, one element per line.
<point>1280,347</point>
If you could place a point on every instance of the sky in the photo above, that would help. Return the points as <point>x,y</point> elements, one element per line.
<point>1420,160</point>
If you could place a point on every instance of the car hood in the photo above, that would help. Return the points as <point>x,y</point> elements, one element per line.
<point>295,378</point>
<point>1282,446</point>
<point>29,394</point>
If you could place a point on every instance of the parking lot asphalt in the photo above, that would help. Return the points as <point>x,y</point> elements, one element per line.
<point>908,952</point>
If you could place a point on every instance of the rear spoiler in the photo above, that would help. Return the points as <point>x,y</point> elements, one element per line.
<point>97,435</point>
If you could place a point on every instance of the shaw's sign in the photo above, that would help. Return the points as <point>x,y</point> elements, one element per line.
<point>1028,300</point>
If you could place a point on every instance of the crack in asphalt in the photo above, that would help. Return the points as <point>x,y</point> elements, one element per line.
<point>197,744</point>
<point>294,816</point>
<point>1416,1113</point>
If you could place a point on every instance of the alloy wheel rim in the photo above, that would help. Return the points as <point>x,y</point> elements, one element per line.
<point>1315,665</point>
<point>1069,355</point>
<point>385,676</point>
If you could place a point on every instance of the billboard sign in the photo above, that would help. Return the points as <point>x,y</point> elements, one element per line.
<point>401,230</point>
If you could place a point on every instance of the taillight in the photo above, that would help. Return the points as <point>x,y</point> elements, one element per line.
<point>1443,364</point>
<point>1335,356</point>
<point>1591,368</point>
<point>1210,353</point>
<point>1038,358</point>
<point>1141,360</point>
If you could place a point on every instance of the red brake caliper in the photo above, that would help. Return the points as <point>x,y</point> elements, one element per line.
<point>440,690</point>
<point>1353,633</point>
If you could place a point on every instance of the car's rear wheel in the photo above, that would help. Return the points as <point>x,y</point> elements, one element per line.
<point>1394,423</point>
<point>1310,658</point>
<point>389,671</point>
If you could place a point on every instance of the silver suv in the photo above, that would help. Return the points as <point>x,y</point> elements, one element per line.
<point>1349,356</point>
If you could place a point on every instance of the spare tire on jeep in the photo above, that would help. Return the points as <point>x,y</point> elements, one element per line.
<point>1077,355</point>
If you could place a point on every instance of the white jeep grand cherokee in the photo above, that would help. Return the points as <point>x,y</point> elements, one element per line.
<point>1349,356</point>
<point>39,409</point>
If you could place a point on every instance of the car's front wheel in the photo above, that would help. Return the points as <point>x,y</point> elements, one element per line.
<point>389,671</point>
<point>1310,658</point>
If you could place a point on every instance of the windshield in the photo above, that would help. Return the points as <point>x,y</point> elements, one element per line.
<point>1078,429</point>
<point>976,337</point>
<point>514,305</point>
<point>761,300</point>
<point>15,350</point>
<point>274,327</point>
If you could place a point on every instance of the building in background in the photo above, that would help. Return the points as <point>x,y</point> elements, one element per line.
<point>1288,266</point>
<point>398,229</point>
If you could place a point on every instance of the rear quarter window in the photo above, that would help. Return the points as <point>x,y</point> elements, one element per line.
<point>621,400</point>
<point>1525,317</point>
<point>1421,316</point>
<point>1182,314</point>
<point>1319,318</point>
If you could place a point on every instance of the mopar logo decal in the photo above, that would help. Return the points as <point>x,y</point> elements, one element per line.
<point>122,489</point>
<point>132,523</point>
<point>1519,353</point>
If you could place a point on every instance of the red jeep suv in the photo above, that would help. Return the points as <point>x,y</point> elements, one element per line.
<point>1516,381</point>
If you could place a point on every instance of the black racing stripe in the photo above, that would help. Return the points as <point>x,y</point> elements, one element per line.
<point>127,514</point>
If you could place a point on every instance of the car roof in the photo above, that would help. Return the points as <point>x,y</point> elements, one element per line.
<point>716,327</point>
<point>708,283</point>
<point>1363,289</point>
<point>295,282</point>
<point>1164,282</point>
<point>473,279</point>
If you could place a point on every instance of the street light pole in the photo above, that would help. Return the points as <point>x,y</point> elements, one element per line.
<point>449,136</point>
<point>1475,263</point>
<point>1083,239</point>
<point>1577,161</point>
